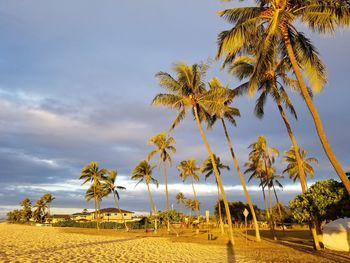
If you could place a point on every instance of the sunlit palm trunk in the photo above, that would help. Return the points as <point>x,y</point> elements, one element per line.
<point>166,195</point>
<point>220,216</point>
<point>278,207</point>
<point>314,113</point>
<point>271,213</point>
<point>302,176</point>
<point>195,197</point>
<point>120,211</point>
<point>247,196</point>
<point>217,175</point>
<point>153,207</point>
<point>95,205</point>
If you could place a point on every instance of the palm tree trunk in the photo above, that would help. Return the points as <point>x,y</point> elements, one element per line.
<point>314,113</point>
<point>195,196</point>
<point>271,214</point>
<point>120,211</point>
<point>217,175</point>
<point>278,207</point>
<point>95,205</point>
<point>265,201</point>
<point>302,176</point>
<point>241,178</point>
<point>166,196</point>
<point>220,215</point>
<point>153,207</point>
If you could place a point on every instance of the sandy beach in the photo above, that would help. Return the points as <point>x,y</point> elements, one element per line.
<point>46,244</point>
<point>21,243</point>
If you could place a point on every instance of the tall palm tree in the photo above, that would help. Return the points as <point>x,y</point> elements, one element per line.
<point>163,144</point>
<point>292,167</point>
<point>113,188</point>
<point>208,170</point>
<point>143,173</point>
<point>188,92</point>
<point>48,198</point>
<point>275,20</point>
<point>224,111</point>
<point>189,168</point>
<point>92,173</point>
<point>270,83</point>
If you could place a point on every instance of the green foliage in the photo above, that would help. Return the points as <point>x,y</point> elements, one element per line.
<point>173,215</point>
<point>327,200</point>
<point>144,223</point>
<point>236,210</point>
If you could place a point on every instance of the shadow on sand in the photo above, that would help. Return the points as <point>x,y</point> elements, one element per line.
<point>230,253</point>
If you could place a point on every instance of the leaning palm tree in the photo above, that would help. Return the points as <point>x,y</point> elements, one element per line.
<point>113,188</point>
<point>188,92</point>
<point>48,198</point>
<point>292,167</point>
<point>275,21</point>
<point>208,170</point>
<point>270,83</point>
<point>189,169</point>
<point>92,173</point>
<point>163,145</point>
<point>223,111</point>
<point>97,193</point>
<point>143,173</point>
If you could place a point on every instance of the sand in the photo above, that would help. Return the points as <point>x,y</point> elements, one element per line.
<point>20,243</point>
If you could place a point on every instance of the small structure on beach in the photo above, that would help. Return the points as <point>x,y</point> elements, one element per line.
<point>336,235</point>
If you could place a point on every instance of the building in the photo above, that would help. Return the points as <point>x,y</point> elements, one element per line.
<point>114,215</point>
<point>83,216</point>
<point>106,215</point>
<point>58,218</point>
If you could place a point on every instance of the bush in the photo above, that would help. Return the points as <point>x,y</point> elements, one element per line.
<point>144,223</point>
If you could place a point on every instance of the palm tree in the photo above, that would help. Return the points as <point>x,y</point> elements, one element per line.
<point>275,20</point>
<point>260,163</point>
<point>112,188</point>
<point>270,83</point>
<point>143,173</point>
<point>208,170</point>
<point>97,193</point>
<point>191,205</point>
<point>189,168</point>
<point>39,212</point>
<point>224,111</point>
<point>92,173</point>
<point>163,144</point>
<point>180,198</point>
<point>48,198</point>
<point>26,212</point>
<point>292,167</point>
<point>188,92</point>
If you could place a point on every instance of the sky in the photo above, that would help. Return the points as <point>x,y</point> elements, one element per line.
<point>76,85</point>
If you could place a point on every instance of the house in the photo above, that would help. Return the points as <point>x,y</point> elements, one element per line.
<point>58,218</point>
<point>83,216</point>
<point>114,215</point>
